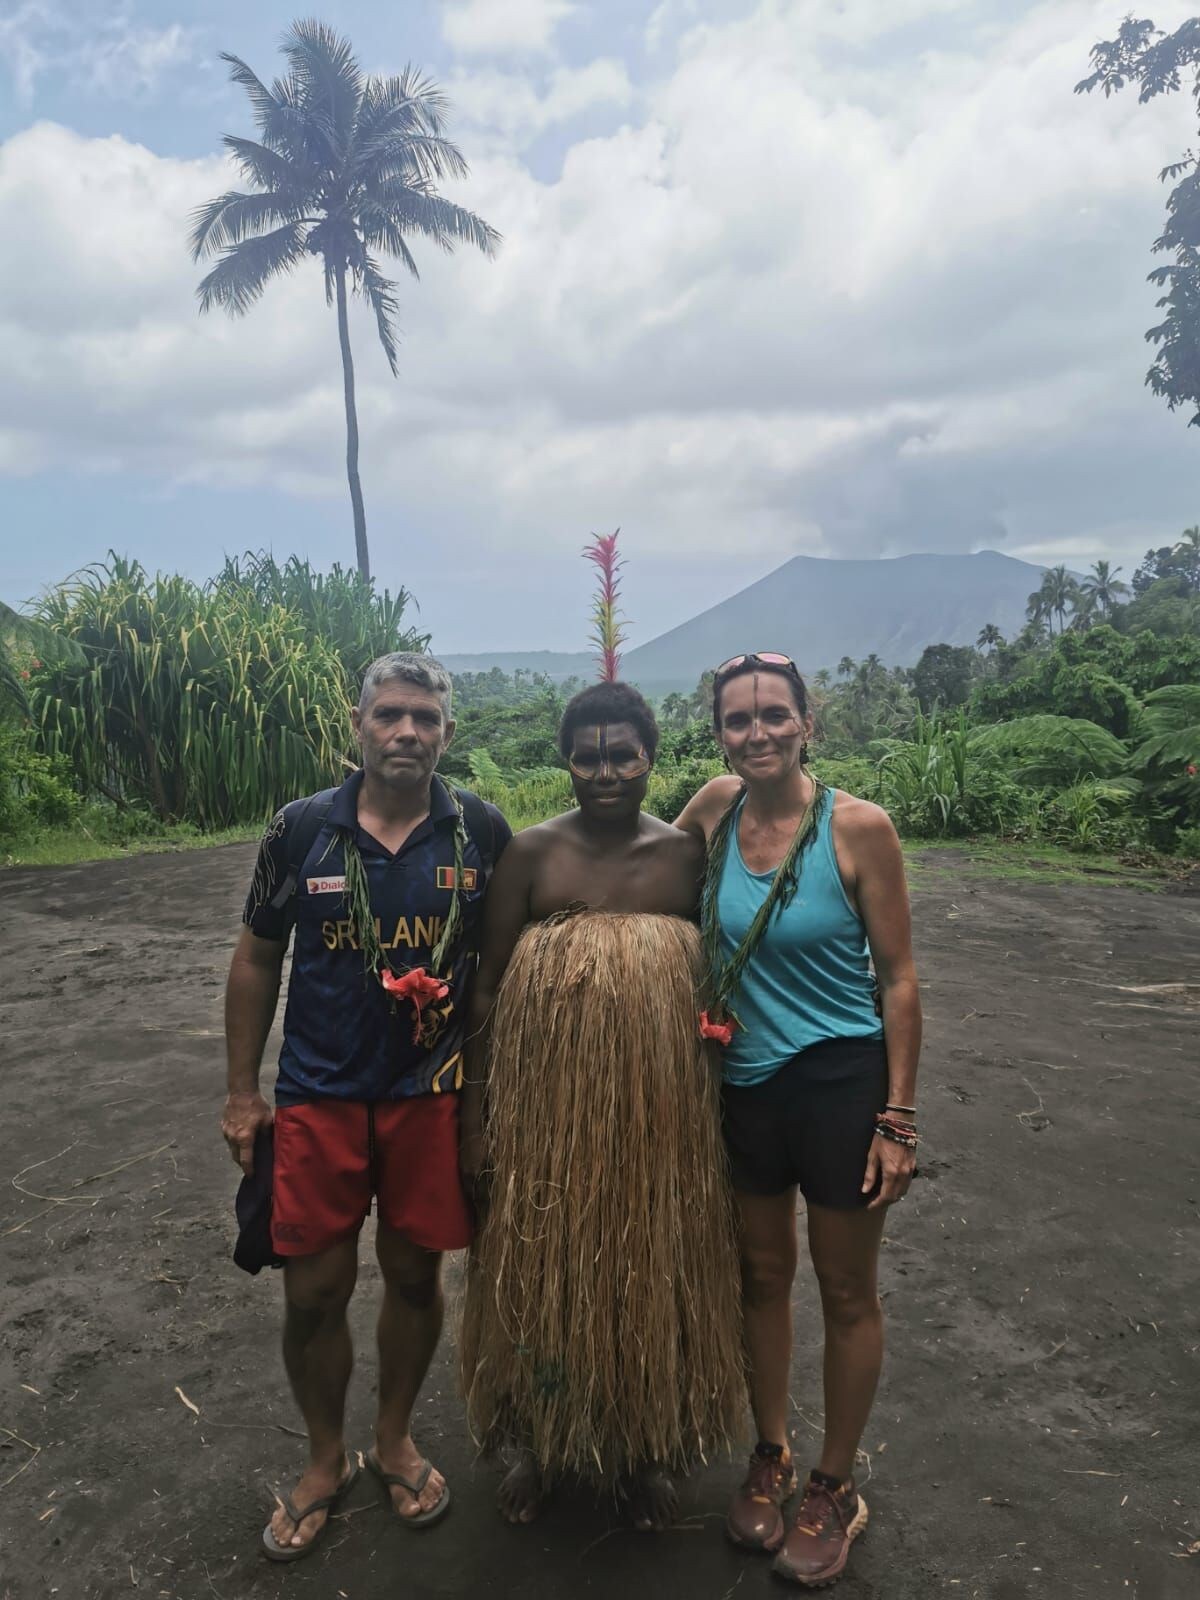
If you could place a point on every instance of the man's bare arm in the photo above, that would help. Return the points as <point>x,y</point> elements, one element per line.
<point>251,994</point>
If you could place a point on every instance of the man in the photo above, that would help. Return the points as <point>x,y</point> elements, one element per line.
<point>600,1335</point>
<point>385,901</point>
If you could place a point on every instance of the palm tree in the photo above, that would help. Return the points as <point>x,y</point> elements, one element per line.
<point>1033,635</point>
<point>989,637</point>
<point>346,166</point>
<point>1101,588</point>
<point>1086,613</point>
<point>673,713</point>
<point>1058,594</point>
<point>1187,549</point>
<point>846,666</point>
<point>822,678</point>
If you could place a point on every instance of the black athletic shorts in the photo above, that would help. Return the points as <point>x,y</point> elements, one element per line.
<point>811,1123</point>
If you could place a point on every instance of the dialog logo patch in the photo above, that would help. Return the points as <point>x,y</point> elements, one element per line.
<point>327,885</point>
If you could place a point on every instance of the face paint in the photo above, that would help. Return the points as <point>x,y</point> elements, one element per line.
<point>755,725</point>
<point>591,761</point>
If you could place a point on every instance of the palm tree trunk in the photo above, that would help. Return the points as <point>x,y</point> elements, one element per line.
<point>356,497</point>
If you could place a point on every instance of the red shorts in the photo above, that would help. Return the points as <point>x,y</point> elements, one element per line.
<point>332,1156</point>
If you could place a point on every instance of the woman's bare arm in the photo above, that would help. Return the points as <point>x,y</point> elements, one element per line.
<point>869,839</point>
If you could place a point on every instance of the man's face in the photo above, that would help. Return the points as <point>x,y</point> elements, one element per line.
<point>761,728</point>
<point>609,768</point>
<point>402,732</point>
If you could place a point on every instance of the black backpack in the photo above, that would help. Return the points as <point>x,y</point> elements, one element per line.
<point>310,819</point>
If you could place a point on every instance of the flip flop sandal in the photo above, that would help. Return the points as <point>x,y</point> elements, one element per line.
<point>274,1551</point>
<point>424,1519</point>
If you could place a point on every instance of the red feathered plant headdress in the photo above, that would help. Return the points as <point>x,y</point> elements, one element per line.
<point>608,634</point>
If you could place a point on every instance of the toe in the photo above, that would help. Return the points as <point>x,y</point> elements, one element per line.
<point>433,1491</point>
<point>429,1496</point>
<point>309,1528</point>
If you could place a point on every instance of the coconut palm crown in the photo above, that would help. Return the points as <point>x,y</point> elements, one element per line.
<point>1102,588</point>
<point>345,167</point>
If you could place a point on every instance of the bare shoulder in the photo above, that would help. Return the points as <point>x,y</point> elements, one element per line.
<point>532,842</point>
<point>539,835</point>
<point>667,839</point>
<point>861,821</point>
<point>702,811</point>
<point>718,792</point>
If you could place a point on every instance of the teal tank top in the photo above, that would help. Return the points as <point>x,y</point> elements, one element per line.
<point>810,978</point>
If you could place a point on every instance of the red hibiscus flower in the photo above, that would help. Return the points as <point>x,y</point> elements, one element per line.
<point>722,1032</point>
<point>1191,770</point>
<point>417,986</point>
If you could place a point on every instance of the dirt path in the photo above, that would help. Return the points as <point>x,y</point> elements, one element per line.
<point>1037,1433</point>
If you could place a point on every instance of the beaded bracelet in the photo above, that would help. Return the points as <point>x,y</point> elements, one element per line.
<point>897,1132</point>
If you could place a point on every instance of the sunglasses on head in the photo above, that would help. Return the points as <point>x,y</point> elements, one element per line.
<point>768,658</point>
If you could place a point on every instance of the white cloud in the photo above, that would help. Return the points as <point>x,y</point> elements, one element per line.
<point>503,27</point>
<point>133,61</point>
<point>803,299</point>
<point>509,109</point>
<point>113,56</point>
<point>20,48</point>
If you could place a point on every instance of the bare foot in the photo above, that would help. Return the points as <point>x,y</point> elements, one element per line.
<point>316,1483</point>
<point>651,1498</point>
<point>522,1492</point>
<point>404,1459</point>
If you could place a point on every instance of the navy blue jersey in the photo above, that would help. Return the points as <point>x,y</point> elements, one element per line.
<point>343,1037</point>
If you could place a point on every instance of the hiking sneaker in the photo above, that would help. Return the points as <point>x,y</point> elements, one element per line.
<point>755,1519</point>
<point>829,1520</point>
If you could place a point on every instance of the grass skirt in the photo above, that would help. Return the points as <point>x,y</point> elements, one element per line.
<point>601,1326</point>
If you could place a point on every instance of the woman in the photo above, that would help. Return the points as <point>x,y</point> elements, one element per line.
<point>805,890</point>
<point>601,1335</point>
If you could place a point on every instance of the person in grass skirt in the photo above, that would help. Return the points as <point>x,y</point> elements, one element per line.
<point>601,1333</point>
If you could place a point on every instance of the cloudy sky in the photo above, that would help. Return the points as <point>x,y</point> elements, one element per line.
<point>834,277</point>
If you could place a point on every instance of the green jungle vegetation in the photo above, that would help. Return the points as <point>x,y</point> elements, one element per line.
<point>141,711</point>
<point>145,711</point>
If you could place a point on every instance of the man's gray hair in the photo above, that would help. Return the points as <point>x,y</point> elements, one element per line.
<point>405,666</point>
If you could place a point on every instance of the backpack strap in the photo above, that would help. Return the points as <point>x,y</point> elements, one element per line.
<point>480,825</point>
<point>302,830</point>
<point>300,835</point>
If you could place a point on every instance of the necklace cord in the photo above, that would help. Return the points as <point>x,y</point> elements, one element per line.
<point>725,976</point>
<point>358,898</point>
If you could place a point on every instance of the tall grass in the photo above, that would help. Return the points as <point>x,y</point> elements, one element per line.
<point>208,703</point>
<point>923,782</point>
<point>342,608</point>
<point>526,800</point>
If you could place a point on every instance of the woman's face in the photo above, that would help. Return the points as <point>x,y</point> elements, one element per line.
<point>762,730</point>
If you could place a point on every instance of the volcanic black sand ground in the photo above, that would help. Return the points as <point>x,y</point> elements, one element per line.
<point>1038,1431</point>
